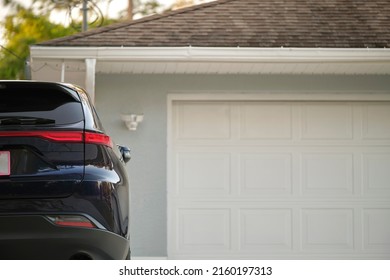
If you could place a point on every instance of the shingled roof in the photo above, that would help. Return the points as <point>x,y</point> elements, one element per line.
<point>251,23</point>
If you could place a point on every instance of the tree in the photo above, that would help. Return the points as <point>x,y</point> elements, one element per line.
<point>26,26</point>
<point>72,8</point>
<point>130,9</point>
<point>23,29</point>
<point>140,8</point>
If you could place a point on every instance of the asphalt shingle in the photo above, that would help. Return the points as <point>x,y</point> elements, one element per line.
<point>251,23</point>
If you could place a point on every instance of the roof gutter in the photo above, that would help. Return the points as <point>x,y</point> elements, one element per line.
<point>206,54</point>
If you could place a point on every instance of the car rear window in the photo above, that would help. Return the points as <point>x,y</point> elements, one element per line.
<point>52,103</point>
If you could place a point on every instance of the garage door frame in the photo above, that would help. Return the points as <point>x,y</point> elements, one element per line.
<point>227,96</point>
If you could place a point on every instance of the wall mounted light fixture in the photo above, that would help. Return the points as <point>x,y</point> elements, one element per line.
<point>132,120</point>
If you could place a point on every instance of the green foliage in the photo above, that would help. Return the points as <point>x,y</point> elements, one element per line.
<point>27,26</point>
<point>146,7</point>
<point>22,29</point>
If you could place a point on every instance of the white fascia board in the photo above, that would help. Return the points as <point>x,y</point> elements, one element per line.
<point>200,54</point>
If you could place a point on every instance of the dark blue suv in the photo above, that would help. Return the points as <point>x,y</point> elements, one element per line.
<point>64,192</point>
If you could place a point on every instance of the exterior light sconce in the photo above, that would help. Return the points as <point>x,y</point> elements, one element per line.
<point>132,120</point>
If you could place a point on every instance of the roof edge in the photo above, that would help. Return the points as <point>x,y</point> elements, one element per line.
<point>212,54</point>
<point>127,23</point>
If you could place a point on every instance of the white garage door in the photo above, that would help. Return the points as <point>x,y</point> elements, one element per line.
<point>279,180</point>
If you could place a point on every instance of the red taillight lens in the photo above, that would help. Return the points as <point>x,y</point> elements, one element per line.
<point>98,138</point>
<point>71,221</point>
<point>58,136</point>
<point>63,136</point>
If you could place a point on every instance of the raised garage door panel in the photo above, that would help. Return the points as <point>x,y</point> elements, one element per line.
<point>279,180</point>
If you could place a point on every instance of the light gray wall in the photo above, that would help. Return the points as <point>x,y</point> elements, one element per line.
<point>147,94</point>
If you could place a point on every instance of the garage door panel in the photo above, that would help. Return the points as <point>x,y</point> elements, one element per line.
<point>326,173</point>
<point>376,230</point>
<point>376,121</point>
<point>265,120</point>
<point>203,173</point>
<point>329,230</point>
<point>203,121</point>
<point>266,230</point>
<point>265,174</point>
<point>376,173</point>
<point>331,121</point>
<point>205,231</point>
<point>279,179</point>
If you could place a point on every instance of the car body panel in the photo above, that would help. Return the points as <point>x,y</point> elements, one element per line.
<point>40,239</point>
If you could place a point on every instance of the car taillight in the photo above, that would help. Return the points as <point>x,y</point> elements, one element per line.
<point>71,221</point>
<point>98,138</point>
<point>63,136</point>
